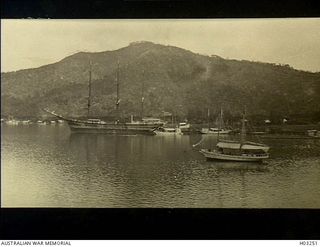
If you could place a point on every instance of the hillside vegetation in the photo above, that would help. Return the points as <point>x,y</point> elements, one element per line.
<point>175,80</point>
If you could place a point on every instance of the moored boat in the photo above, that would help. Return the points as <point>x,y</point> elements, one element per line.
<point>313,133</point>
<point>185,127</point>
<point>216,130</point>
<point>40,122</point>
<point>242,150</point>
<point>12,122</point>
<point>168,131</point>
<point>26,122</point>
<point>145,126</point>
<point>236,151</point>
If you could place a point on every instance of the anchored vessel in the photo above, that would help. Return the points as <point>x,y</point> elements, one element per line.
<point>145,126</point>
<point>216,131</point>
<point>168,131</point>
<point>185,127</point>
<point>99,126</point>
<point>242,150</point>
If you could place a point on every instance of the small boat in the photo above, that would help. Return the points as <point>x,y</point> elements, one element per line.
<point>53,122</point>
<point>314,133</point>
<point>216,131</point>
<point>40,122</point>
<point>26,122</point>
<point>242,150</point>
<point>12,122</point>
<point>168,131</point>
<point>60,121</point>
<point>184,126</point>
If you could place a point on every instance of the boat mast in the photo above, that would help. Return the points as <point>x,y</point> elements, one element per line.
<point>89,89</point>
<point>142,95</point>
<point>243,128</point>
<point>118,93</point>
<point>220,123</point>
<point>208,118</point>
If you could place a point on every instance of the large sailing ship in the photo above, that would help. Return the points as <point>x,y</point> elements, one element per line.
<point>145,126</point>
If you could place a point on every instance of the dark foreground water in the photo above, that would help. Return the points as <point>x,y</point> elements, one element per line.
<point>47,166</point>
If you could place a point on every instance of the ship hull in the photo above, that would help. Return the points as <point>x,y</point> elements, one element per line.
<point>213,155</point>
<point>159,133</point>
<point>168,134</point>
<point>110,128</point>
<point>92,126</point>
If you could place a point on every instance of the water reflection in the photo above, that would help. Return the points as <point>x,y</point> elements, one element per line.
<point>243,167</point>
<point>143,163</point>
<point>60,169</point>
<point>232,179</point>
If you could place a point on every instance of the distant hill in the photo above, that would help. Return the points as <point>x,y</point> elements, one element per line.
<point>175,80</point>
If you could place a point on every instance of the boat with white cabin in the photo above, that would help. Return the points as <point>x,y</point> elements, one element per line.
<point>236,151</point>
<point>12,122</point>
<point>229,150</point>
<point>25,122</point>
<point>184,126</point>
<point>168,131</point>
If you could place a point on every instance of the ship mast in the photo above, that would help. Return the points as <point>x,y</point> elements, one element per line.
<point>220,123</point>
<point>118,93</point>
<point>243,128</point>
<point>208,118</point>
<point>89,89</point>
<point>142,95</point>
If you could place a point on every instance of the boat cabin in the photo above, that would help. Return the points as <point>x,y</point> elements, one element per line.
<point>184,125</point>
<point>235,148</point>
<point>216,130</point>
<point>168,130</point>
<point>152,120</point>
<point>94,120</point>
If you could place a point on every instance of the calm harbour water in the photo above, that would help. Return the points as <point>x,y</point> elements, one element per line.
<point>47,166</point>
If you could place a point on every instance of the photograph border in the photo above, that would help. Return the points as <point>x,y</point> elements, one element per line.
<point>156,223</point>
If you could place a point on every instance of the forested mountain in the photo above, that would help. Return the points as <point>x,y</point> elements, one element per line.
<point>175,80</point>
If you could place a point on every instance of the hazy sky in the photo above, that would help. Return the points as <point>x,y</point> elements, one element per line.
<point>32,43</point>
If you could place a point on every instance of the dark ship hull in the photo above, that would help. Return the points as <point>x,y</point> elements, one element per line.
<point>98,126</point>
<point>112,128</point>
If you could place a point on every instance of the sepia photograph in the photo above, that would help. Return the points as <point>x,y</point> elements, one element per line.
<point>160,113</point>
